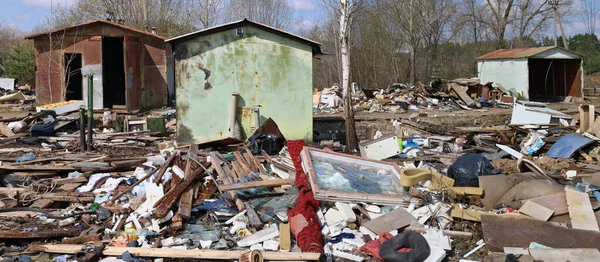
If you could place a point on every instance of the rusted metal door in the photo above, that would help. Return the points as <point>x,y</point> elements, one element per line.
<point>133,76</point>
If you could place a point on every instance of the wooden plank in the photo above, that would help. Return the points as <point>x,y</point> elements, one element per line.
<point>245,167</point>
<point>557,202</point>
<point>164,204</point>
<point>62,181</point>
<point>478,191</point>
<point>238,171</point>
<point>565,254</point>
<point>224,174</point>
<point>127,163</point>
<point>187,198</point>
<point>41,174</point>
<point>285,242</point>
<point>164,167</point>
<point>70,197</point>
<point>396,219</point>
<point>467,214</point>
<point>536,211</point>
<point>81,239</point>
<point>42,203</point>
<point>253,216</point>
<point>581,211</point>
<point>255,184</point>
<point>254,160</point>
<point>69,187</point>
<point>511,231</point>
<point>177,253</point>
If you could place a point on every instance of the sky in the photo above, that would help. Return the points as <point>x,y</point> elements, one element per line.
<point>26,14</point>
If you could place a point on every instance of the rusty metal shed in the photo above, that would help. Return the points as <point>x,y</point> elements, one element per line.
<point>269,70</point>
<point>547,73</point>
<point>129,65</point>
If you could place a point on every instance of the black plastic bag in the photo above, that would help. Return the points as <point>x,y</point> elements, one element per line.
<point>468,167</point>
<point>270,143</point>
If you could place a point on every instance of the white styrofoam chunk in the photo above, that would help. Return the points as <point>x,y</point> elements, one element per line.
<point>346,211</point>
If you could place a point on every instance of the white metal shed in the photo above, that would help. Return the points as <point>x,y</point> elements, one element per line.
<point>547,73</point>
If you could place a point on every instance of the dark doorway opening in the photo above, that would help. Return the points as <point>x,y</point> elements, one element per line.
<point>73,76</point>
<point>554,79</point>
<point>113,71</point>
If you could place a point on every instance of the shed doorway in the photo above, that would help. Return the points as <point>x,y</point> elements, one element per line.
<point>554,79</point>
<point>73,77</point>
<point>113,72</point>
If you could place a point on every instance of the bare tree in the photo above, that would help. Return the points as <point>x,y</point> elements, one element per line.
<point>346,10</point>
<point>276,13</point>
<point>206,12</point>
<point>589,14</point>
<point>413,18</point>
<point>169,17</point>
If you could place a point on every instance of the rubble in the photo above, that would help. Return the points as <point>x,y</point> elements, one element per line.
<point>448,193</point>
<point>447,96</point>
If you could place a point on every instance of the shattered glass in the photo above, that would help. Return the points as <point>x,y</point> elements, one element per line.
<point>354,176</point>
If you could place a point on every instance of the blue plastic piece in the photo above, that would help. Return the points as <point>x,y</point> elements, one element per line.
<point>568,145</point>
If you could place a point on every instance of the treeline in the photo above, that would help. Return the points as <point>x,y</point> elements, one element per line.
<point>391,41</point>
<point>409,41</point>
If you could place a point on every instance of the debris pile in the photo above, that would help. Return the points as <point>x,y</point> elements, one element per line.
<point>525,190</point>
<point>458,94</point>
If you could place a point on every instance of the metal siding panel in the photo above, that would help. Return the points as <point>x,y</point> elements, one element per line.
<point>264,68</point>
<point>133,76</point>
<point>154,89</point>
<point>498,70</point>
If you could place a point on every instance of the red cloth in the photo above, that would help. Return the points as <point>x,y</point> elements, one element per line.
<point>372,247</point>
<point>304,222</point>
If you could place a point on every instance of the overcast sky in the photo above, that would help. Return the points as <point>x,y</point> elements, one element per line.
<point>26,14</point>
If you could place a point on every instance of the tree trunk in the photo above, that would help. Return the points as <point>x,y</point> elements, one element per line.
<point>351,143</point>
<point>413,64</point>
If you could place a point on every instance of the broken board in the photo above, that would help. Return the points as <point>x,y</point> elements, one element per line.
<point>581,211</point>
<point>501,231</point>
<point>565,254</point>
<point>557,202</point>
<point>536,211</point>
<point>396,219</point>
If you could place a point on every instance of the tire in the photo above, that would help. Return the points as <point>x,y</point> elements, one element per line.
<point>388,250</point>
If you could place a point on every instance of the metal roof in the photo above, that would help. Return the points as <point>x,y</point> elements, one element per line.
<point>129,28</point>
<point>521,53</point>
<point>315,45</point>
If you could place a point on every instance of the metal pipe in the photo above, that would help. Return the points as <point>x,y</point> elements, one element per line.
<point>90,115</point>
<point>232,115</point>
<point>256,111</point>
<point>82,127</point>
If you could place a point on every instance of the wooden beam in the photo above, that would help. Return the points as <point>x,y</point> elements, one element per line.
<point>255,184</point>
<point>177,253</point>
<point>187,198</point>
<point>245,167</point>
<point>164,204</point>
<point>164,167</point>
<point>128,163</point>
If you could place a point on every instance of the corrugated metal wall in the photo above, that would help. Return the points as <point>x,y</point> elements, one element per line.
<point>145,65</point>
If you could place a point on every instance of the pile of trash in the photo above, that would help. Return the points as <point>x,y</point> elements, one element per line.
<point>457,94</point>
<point>522,191</point>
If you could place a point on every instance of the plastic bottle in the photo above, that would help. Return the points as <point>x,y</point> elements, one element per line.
<point>26,157</point>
